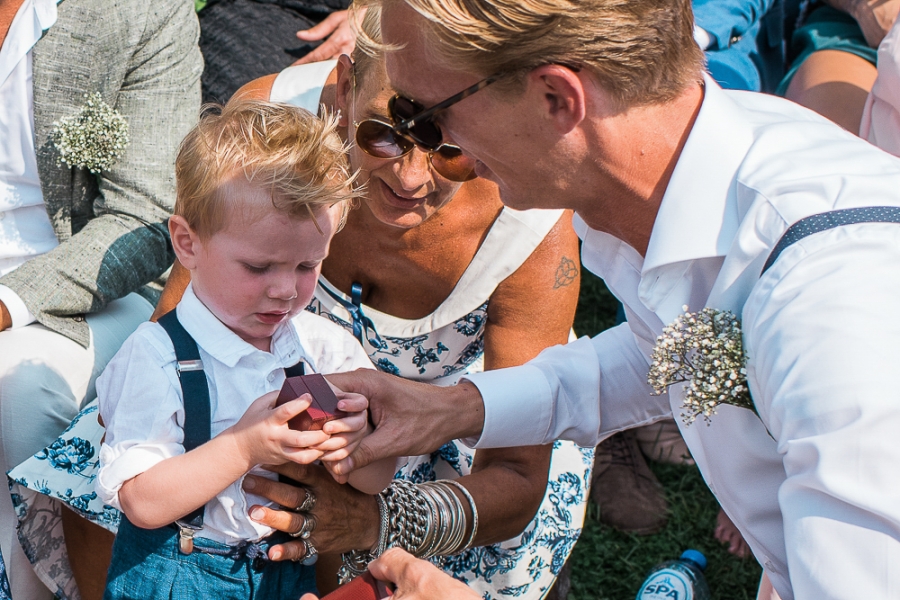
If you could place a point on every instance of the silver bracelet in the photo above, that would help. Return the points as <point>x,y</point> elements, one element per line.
<point>473,508</point>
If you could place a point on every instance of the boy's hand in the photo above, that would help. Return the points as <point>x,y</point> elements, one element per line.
<point>263,436</point>
<point>346,433</point>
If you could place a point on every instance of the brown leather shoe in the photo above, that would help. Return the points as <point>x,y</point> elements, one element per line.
<point>629,495</point>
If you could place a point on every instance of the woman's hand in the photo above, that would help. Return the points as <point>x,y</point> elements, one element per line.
<point>345,519</point>
<point>263,436</point>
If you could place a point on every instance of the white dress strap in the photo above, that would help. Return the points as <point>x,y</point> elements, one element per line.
<point>302,85</point>
<point>511,240</point>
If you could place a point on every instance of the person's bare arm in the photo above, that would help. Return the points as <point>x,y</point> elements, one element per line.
<point>179,278</point>
<point>5,318</point>
<point>178,485</point>
<point>530,310</point>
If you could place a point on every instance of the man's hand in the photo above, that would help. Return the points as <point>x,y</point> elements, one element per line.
<point>341,37</point>
<point>411,418</point>
<point>5,318</point>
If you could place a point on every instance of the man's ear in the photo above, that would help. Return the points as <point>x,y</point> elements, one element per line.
<point>185,241</point>
<point>563,93</point>
<point>344,88</point>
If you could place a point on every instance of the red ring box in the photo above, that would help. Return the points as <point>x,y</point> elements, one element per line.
<point>364,587</point>
<point>324,402</point>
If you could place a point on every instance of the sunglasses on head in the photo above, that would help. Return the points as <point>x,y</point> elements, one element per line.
<point>379,139</point>
<point>414,121</point>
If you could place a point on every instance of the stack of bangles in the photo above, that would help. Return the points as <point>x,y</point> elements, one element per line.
<point>425,519</point>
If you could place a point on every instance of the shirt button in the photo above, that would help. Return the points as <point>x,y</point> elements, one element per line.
<point>271,377</point>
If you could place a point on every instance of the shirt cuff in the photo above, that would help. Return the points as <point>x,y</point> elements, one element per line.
<point>19,313</point>
<point>702,37</point>
<point>120,463</point>
<point>518,407</point>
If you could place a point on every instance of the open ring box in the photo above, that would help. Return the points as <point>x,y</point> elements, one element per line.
<point>324,402</point>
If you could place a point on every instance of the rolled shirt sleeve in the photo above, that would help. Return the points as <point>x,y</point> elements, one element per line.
<point>143,413</point>
<point>583,391</point>
<point>821,331</point>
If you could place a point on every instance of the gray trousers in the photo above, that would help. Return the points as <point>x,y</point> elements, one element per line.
<point>45,379</point>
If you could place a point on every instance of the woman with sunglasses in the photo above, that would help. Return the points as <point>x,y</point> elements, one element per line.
<point>435,278</point>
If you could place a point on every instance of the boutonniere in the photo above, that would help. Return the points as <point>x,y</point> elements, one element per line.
<point>705,350</point>
<point>93,138</point>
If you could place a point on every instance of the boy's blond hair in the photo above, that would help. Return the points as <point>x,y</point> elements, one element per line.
<point>641,51</point>
<point>296,156</point>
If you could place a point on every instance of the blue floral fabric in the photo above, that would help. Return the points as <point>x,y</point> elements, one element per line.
<point>433,356</point>
<point>5,594</point>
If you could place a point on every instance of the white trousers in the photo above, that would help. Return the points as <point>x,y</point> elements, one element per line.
<point>45,379</point>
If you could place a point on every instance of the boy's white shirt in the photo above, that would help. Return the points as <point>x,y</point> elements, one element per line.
<point>141,400</point>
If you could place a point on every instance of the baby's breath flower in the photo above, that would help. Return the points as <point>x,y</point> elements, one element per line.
<point>93,138</point>
<point>706,351</point>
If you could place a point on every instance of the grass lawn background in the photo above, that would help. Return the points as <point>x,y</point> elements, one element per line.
<point>608,565</point>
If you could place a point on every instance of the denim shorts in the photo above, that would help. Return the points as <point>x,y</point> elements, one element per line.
<point>147,565</point>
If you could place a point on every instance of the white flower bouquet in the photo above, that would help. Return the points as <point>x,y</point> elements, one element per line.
<point>704,349</point>
<point>93,138</point>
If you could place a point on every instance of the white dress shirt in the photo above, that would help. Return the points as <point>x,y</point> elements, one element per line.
<point>141,399</point>
<point>812,483</point>
<point>25,229</point>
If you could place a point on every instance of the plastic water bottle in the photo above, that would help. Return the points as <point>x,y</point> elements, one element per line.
<point>680,579</point>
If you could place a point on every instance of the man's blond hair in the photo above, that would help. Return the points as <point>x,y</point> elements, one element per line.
<point>641,51</point>
<point>296,156</point>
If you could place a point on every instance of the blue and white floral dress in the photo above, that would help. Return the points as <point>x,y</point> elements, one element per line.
<point>442,347</point>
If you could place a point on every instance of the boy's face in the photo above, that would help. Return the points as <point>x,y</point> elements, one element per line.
<point>261,268</point>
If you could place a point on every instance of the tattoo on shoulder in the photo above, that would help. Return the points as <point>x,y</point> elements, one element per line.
<point>566,273</point>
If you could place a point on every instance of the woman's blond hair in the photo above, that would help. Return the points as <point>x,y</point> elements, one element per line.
<point>296,156</point>
<point>641,51</point>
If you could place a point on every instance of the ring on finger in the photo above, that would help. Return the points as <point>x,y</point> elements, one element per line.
<point>311,551</point>
<point>309,501</point>
<point>306,528</point>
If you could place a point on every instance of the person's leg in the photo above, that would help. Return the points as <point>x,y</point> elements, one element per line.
<point>766,591</point>
<point>630,497</point>
<point>45,378</point>
<point>662,442</point>
<point>835,84</point>
<point>90,550</point>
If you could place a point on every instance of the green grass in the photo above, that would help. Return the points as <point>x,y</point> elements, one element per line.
<point>608,565</point>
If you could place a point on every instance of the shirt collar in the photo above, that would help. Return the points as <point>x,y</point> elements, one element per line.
<point>33,18</point>
<point>698,215</point>
<point>46,12</point>
<point>223,344</point>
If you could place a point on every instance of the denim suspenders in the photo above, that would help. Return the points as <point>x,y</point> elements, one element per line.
<point>197,411</point>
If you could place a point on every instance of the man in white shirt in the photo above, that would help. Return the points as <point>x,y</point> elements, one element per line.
<point>75,246</point>
<point>681,190</point>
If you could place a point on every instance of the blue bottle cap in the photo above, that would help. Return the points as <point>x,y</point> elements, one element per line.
<point>696,557</point>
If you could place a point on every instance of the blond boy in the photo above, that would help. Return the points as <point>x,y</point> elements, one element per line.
<point>261,190</point>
